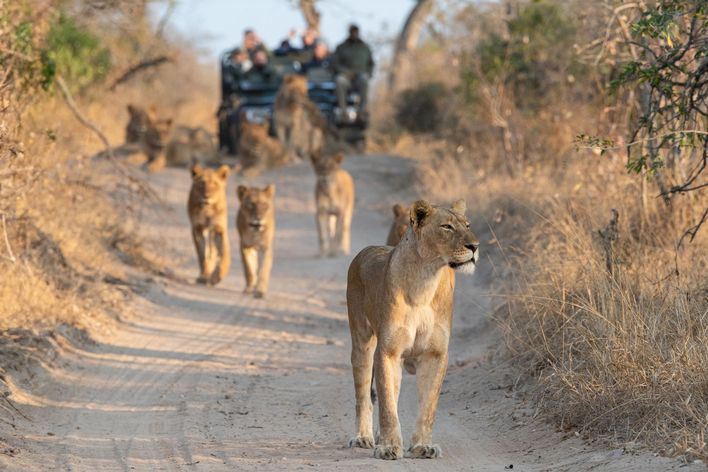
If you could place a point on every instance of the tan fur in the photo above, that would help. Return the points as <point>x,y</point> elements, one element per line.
<point>137,124</point>
<point>399,225</point>
<point>259,151</point>
<point>150,133</point>
<point>256,226</point>
<point>189,145</point>
<point>208,215</point>
<point>400,303</point>
<point>334,197</point>
<point>300,126</point>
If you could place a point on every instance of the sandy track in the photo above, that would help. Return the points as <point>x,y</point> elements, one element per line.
<point>199,378</point>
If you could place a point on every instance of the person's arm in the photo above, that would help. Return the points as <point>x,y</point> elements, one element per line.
<point>370,66</point>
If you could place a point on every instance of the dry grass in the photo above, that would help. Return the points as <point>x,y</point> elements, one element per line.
<point>622,354</point>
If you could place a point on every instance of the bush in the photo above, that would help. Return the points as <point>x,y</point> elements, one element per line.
<point>422,109</point>
<point>77,53</point>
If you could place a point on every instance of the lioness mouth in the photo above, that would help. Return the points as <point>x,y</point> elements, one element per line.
<point>255,225</point>
<point>457,265</point>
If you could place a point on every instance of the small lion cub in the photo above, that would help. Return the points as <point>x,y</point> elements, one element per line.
<point>256,226</point>
<point>401,220</point>
<point>334,197</point>
<point>207,213</point>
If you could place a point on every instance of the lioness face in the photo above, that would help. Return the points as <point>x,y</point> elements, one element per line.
<point>257,205</point>
<point>327,164</point>
<point>445,233</point>
<point>137,124</point>
<point>210,184</point>
<point>295,84</point>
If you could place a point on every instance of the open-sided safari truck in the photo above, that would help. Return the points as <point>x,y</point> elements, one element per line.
<point>254,101</point>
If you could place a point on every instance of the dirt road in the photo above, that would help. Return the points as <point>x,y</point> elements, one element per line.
<point>198,379</point>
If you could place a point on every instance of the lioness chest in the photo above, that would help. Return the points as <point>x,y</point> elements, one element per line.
<point>206,214</point>
<point>334,193</point>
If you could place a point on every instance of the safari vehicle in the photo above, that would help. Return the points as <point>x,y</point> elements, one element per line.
<point>254,101</point>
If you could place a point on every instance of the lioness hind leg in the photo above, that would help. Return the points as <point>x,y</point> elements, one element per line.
<point>430,371</point>
<point>363,348</point>
<point>249,260</point>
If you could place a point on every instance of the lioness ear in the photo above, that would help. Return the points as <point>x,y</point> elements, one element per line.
<point>196,170</point>
<point>459,206</point>
<point>420,211</point>
<point>270,190</point>
<point>398,210</point>
<point>168,122</point>
<point>223,172</point>
<point>131,109</point>
<point>241,192</point>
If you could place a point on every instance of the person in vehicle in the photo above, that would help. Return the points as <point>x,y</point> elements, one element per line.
<point>321,58</point>
<point>309,39</point>
<point>353,65</point>
<point>252,44</point>
<point>262,71</point>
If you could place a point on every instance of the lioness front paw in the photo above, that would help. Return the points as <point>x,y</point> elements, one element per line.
<point>388,453</point>
<point>259,294</point>
<point>363,442</point>
<point>202,280</point>
<point>248,290</point>
<point>424,451</point>
<point>215,279</point>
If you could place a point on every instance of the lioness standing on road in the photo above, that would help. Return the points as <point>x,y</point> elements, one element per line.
<point>208,214</point>
<point>400,303</point>
<point>256,226</point>
<point>334,197</point>
<point>299,124</point>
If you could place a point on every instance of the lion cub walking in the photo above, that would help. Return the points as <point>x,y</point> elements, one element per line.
<point>207,213</point>
<point>399,225</point>
<point>334,197</point>
<point>256,226</point>
<point>298,122</point>
<point>400,303</point>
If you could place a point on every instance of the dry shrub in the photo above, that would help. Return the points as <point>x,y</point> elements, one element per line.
<point>620,352</point>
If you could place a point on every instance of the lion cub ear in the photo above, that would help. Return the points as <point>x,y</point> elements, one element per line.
<point>338,158</point>
<point>241,192</point>
<point>270,190</point>
<point>459,206</point>
<point>196,170</point>
<point>398,210</point>
<point>223,172</point>
<point>420,211</point>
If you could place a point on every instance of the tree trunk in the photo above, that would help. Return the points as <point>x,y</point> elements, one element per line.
<point>407,38</point>
<point>309,11</point>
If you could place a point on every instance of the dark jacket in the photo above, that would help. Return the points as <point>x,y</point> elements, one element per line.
<point>353,57</point>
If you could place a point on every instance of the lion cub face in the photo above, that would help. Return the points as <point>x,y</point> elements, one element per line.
<point>209,184</point>
<point>327,164</point>
<point>256,205</point>
<point>445,233</point>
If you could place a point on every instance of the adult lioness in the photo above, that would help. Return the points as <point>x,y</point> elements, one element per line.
<point>256,226</point>
<point>334,197</point>
<point>259,151</point>
<point>399,226</point>
<point>207,213</point>
<point>299,124</point>
<point>400,307</point>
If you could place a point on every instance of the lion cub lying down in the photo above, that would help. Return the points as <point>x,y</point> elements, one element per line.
<point>400,303</point>
<point>334,197</point>
<point>256,226</point>
<point>207,213</point>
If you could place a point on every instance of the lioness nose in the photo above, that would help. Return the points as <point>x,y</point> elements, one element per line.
<point>472,247</point>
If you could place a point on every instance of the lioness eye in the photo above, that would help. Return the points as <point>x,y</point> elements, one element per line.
<point>448,227</point>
